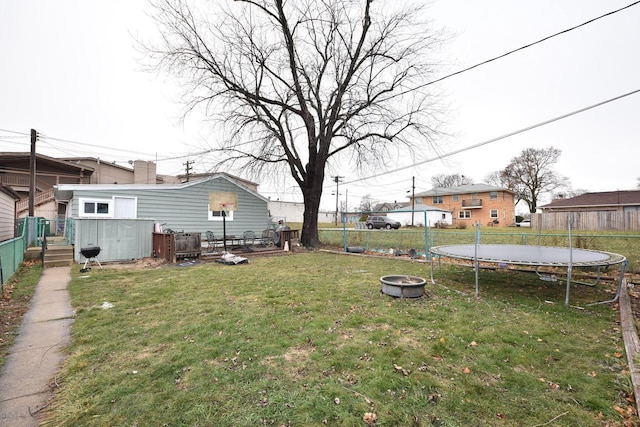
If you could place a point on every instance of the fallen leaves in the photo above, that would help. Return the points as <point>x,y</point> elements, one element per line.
<point>398,368</point>
<point>370,418</point>
<point>625,412</point>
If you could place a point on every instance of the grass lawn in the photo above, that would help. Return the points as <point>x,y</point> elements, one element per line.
<point>308,340</point>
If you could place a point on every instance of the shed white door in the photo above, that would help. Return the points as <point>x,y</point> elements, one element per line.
<point>125,207</point>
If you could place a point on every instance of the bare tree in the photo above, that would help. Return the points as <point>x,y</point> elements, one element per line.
<point>366,203</point>
<point>453,180</point>
<point>530,174</point>
<point>567,193</point>
<point>495,178</point>
<point>302,86</point>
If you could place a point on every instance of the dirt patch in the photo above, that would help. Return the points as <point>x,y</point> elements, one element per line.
<point>144,263</point>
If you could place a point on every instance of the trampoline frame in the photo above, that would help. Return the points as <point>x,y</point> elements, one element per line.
<point>474,253</point>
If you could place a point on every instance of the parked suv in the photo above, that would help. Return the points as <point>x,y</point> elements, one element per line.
<point>381,222</point>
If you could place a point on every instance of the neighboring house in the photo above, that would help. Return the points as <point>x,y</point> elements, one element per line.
<point>287,211</point>
<point>434,216</point>
<point>180,207</point>
<point>15,173</point>
<point>8,200</point>
<point>610,210</point>
<point>49,171</point>
<point>294,212</point>
<point>139,172</point>
<point>611,201</point>
<point>328,216</point>
<point>473,203</point>
<point>389,206</point>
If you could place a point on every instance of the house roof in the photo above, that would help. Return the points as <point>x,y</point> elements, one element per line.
<point>387,206</point>
<point>602,199</point>
<point>9,191</point>
<point>9,158</point>
<point>199,176</point>
<point>97,161</point>
<point>65,191</point>
<point>420,207</point>
<point>462,189</point>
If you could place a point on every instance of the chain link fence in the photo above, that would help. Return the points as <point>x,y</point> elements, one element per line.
<point>402,241</point>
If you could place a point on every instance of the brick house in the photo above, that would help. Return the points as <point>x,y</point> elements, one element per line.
<point>473,203</point>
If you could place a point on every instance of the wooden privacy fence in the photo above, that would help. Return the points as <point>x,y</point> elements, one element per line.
<point>588,221</point>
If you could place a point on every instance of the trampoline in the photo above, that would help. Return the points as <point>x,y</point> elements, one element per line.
<point>535,256</point>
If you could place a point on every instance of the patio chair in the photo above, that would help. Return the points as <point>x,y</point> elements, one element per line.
<point>211,242</point>
<point>267,237</point>
<point>248,238</point>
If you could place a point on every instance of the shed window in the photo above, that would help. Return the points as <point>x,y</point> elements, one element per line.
<point>95,208</point>
<point>217,215</point>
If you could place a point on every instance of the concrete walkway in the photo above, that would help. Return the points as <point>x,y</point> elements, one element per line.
<point>27,379</point>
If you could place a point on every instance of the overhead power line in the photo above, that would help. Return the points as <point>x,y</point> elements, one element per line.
<point>510,134</point>
<point>51,138</point>
<point>13,131</point>
<point>44,137</point>
<point>495,58</point>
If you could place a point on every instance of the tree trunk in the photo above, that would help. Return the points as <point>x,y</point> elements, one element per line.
<point>309,237</point>
<point>311,192</point>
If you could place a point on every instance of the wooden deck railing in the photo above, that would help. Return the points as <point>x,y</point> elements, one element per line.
<point>39,199</point>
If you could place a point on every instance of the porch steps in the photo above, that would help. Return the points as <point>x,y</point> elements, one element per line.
<point>58,256</point>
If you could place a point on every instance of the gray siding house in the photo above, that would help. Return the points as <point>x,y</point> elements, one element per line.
<point>180,207</point>
<point>8,199</point>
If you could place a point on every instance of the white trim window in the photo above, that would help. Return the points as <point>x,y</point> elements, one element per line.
<point>217,215</point>
<point>464,214</point>
<point>95,208</point>
<point>493,213</point>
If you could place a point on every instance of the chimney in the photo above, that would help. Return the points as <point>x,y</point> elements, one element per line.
<point>144,172</point>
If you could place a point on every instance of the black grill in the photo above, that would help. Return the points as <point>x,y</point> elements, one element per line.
<point>90,251</point>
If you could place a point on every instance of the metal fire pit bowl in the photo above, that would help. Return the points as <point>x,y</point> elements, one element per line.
<point>403,286</point>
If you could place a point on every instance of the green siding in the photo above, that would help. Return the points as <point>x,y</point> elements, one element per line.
<point>184,208</point>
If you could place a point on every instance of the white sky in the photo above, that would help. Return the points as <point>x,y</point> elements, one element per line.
<point>70,70</point>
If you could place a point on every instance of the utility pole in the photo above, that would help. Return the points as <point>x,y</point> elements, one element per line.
<point>413,198</point>
<point>337,179</point>
<point>346,200</point>
<point>188,166</point>
<point>32,173</point>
